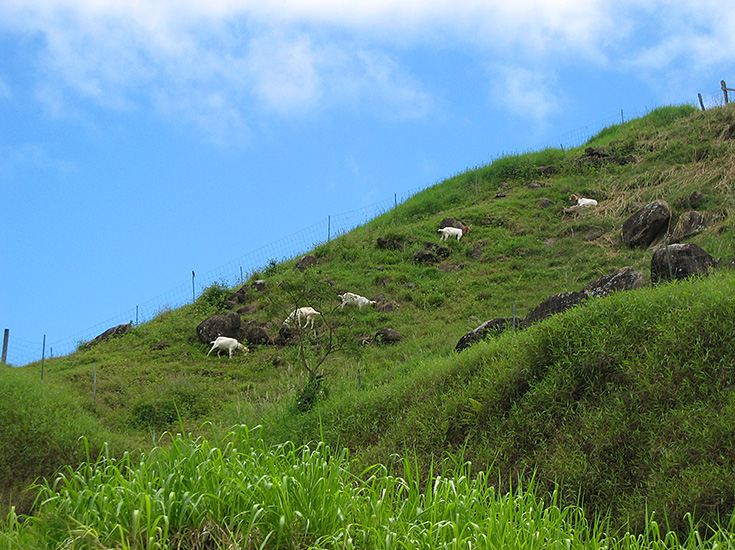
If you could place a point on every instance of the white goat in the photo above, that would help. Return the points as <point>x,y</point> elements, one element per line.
<point>452,232</point>
<point>224,343</point>
<point>351,299</point>
<point>306,314</point>
<point>579,201</point>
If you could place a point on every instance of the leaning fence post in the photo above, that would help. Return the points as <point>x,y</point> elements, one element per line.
<point>724,89</point>
<point>6,336</point>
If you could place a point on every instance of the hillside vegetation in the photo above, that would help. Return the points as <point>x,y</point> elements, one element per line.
<point>624,404</point>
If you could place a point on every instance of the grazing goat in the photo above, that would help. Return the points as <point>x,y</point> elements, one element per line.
<point>224,343</point>
<point>306,314</point>
<point>452,232</point>
<point>350,299</point>
<point>579,201</point>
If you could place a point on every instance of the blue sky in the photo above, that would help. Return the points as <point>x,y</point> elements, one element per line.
<point>141,140</point>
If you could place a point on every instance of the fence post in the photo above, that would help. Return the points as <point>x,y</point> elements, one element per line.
<point>43,355</point>
<point>6,336</point>
<point>395,207</point>
<point>724,90</point>
<point>701,103</point>
<point>193,297</point>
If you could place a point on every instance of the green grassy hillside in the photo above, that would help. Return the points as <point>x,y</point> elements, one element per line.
<point>626,402</point>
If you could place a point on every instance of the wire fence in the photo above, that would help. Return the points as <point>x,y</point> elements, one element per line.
<point>22,352</point>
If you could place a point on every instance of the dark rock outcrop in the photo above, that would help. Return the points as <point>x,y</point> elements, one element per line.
<point>647,225</point>
<point>625,278</point>
<point>219,325</point>
<point>305,262</point>
<point>424,256</point>
<point>388,243</point>
<point>679,261</point>
<point>545,203</point>
<point>387,307</point>
<point>257,336</point>
<point>486,329</point>
<point>248,309</point>
<point>240,296</point>
<point>452,222</point>
<point>113,332</point>
<point>387,336</point>
<point>554,304</point>
<point>260,285</point>
<point>690,223</point>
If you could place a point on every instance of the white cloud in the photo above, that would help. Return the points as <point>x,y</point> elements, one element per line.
<point>228,61</point>
<point>284,73</point>
<point>526,93</point>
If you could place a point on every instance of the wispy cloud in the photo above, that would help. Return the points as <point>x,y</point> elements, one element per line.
<point>527,93</point>
<point>223,63</point>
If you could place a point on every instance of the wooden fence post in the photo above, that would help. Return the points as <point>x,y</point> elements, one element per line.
<point>5,346</point>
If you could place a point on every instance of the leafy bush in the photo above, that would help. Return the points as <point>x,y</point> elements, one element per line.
<point>213,296</point>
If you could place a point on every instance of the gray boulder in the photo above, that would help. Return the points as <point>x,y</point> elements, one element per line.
<point>424,256</point>
<point>679,261</point>
<point>554,304</point>
<point>625,278</point>
<point>488,328</point>
<point>304,262</point>
<point>387,336</point>
<point>689,224</point>
<point>113,332</point>
<point>257,336</point>
<point>647,225</point>
<point>219,325</point>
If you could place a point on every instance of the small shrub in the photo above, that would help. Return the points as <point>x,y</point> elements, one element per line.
<point>214,295</point>
<point>311,393</point>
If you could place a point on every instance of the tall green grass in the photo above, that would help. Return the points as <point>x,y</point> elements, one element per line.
<point>605,402</point>
<point>241,493</point>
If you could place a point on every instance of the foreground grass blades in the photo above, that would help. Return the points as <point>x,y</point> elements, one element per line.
<point>242,493</point>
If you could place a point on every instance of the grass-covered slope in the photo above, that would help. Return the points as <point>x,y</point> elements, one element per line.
<point>625,401</point>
